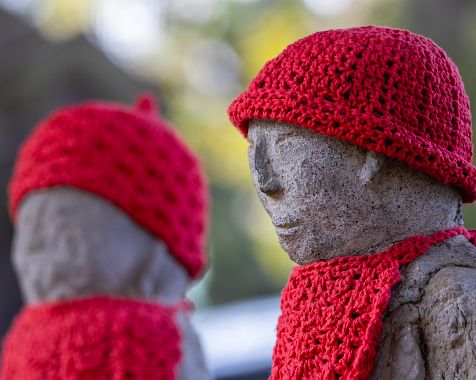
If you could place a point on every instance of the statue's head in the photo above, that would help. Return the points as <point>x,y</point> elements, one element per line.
<point>358,136</point>
<point>70,243</point>
<point>107,199</point>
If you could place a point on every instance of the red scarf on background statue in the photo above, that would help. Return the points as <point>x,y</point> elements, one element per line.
<point>96,338</point>
<point>332,311</point>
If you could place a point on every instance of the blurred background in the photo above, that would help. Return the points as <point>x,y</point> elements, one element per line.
<point>196,56</point>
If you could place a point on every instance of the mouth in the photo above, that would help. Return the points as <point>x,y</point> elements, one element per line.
<point>285,222</point>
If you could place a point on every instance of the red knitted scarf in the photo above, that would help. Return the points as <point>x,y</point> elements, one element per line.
<point>98,338</point>
<point>332,311</point>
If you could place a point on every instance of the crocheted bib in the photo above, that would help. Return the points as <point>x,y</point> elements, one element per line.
<point>96,338</point>
<point>332,311</point>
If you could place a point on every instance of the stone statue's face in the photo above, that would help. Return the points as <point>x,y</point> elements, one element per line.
<point>309,185</point>
<point>70,243</point>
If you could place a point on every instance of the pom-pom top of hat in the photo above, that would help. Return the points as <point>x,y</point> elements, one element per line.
<point>388,90</point>
<point>147,104</point>
<point>128,156</point>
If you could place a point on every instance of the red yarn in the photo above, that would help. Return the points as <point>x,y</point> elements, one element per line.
<point>95,339</point>
<point>147,104</point>
<point>127,156</point>
<point>332,311</point>
<point>387,90</point>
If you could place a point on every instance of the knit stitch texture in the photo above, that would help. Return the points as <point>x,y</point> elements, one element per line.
<point>95,339</point>
<point>387,90</point>
<point>332,311</point>
<point>131,158</point>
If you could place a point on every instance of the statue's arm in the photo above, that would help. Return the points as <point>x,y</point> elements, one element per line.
<point>400,355</point>
<point>447,322</point>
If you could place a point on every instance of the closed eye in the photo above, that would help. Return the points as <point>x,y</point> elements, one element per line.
<point>285,136</point>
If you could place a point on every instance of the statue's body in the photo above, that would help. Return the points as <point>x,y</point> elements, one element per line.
<point>429,327</point>
<point>328,199</point>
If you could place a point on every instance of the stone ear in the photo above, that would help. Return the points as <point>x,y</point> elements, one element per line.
<point>163,278</point>
<point>152,270</point>
<point>371,168</point>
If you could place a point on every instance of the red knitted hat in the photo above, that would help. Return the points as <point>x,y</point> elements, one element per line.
<point>129,157</point>
<point>387,90</point>
<point>96,338</point>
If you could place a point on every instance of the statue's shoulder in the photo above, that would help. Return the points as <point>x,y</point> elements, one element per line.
<point>455,274</point>
<point>450,283</point>
<point>456,252</point>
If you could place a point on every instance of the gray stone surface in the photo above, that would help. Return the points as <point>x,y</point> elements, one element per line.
<point>193,364</point>
<point>428,330</point>
<point>328,199</point>
<point>69,243</point>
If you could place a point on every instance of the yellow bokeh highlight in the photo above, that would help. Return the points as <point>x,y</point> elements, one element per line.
<point>277,27</point>
<point>63,19</point>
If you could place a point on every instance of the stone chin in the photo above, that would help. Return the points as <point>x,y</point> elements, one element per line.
<point>302,246</point>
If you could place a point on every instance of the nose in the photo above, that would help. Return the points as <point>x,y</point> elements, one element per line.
<point>267,180</point>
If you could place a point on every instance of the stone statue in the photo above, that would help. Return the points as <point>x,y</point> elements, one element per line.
<point>343,192</point>
<point>74,239</point>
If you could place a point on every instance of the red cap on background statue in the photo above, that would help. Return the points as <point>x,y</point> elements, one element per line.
<point>387,90</point>
<point>128,156</point>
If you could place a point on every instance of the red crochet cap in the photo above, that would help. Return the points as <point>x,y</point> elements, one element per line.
<point>96,338</point>
<point>129,157</point>
<point>387,90</point>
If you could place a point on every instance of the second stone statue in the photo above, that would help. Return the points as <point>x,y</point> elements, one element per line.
<point>110,213</point>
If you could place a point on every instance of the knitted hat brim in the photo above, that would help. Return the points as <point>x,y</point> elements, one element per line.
<point>365,129</point>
